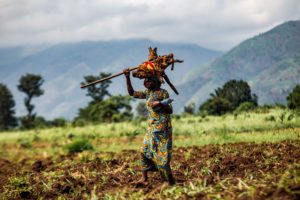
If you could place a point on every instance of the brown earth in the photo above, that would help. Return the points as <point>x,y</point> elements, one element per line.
<point>270,171</point>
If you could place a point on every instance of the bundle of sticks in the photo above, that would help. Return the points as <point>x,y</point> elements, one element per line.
<point>154,66</point>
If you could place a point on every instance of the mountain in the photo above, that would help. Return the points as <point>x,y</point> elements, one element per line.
<point>270,62</point>
<point>63,67</point>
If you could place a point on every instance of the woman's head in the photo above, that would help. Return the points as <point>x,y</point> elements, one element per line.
<point>152,83</point>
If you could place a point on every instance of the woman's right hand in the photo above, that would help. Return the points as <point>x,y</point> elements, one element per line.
<point>126,72</point>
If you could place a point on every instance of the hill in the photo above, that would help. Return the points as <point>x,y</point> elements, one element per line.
<point>63,67</point>
<point>268,61</point>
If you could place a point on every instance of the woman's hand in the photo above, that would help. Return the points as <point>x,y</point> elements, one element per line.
<point>126,72</point>
<point>155,104</point>
<point>166,108</point>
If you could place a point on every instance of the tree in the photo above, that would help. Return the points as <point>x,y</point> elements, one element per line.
<point>7,104</point>
<point>293,99</point>
<point>141,109</point>
<point>190,108</point>
<point>113,109</point>
<point>98,91</point>
<point>229,97</point>
<point>236,92</point>
<point>30,84</point>
<point>216,106</point>
<point>101,109</point>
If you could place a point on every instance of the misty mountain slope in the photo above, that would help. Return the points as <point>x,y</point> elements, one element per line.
<point>269,62</point>
<point>259,53</point>
<point>63,67</point>
<point>274,84</point>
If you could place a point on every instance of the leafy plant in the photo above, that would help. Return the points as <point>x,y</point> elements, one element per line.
<point>229,97</point>
<point>79,145</point>
<point>270,118</point>
<point>245,107</point>
<point>7,112</point>
<point>25,143</point>
<point>293,98</point>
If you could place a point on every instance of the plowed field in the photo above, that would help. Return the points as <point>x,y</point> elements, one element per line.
<point>229,171</point>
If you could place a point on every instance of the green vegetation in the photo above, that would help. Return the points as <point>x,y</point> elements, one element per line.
<point>214,157</point>
<point>97,91</point>
<point>101,109</point>
<point>260,125</point>
<point>141,109</point>
<point>113,109</point>
<point>190,108</point>
<point>79,145</point>
<point>229,97</point>
<point>30,84</point>
<point>269,62</point>
<point>294,98</point>
<point>7,112</point>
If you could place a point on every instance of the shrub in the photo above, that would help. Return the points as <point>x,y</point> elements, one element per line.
<point>228,98</point>
<point>270,118</point>
<point>190,108</point>
<point>25,143</point>
<point>279,105</point>
<point>58,122</point>
<point>40,122</point>
<point>290,117</point>
<point>246,106</point>
<point>113,109</point>
<point>138,120</point>
<point>216,106</point>
<point>79,123</point>
<point>282,116</point>
<point>141,109</point>
<point>131,133</point>
<point>176,116</point>
<point>79,145</point>
<point>293,99</point>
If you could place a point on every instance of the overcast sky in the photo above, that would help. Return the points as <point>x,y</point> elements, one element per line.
<point>216,24</point>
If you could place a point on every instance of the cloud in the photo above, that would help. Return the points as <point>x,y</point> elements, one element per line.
<point>217,24</point>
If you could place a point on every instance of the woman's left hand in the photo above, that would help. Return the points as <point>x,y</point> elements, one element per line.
<point>155,104</point>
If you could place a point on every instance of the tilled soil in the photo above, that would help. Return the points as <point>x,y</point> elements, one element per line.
<point>230,171</point>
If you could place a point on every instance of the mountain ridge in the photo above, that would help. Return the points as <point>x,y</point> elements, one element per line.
<point>63,67</point>
<point>252,59</point>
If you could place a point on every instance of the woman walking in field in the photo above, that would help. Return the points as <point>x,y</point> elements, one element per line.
<point>157,146</point>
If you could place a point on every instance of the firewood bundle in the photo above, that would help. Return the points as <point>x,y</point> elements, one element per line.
<point>156,66</point>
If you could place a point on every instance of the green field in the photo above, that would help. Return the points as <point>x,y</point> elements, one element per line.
<point>232,136</point>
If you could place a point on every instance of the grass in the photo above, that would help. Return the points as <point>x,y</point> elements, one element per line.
<point>187,131</point>
<point>269,126</point>
<point>230,171</point>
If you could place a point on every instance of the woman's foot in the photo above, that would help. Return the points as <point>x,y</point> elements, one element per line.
<point>171,179</point>
<point>143,180</point>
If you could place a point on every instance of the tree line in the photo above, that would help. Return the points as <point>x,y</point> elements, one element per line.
<point>102,107</point>
<point>234,95</point>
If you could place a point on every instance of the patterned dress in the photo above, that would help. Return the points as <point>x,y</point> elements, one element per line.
<point>157,145</point>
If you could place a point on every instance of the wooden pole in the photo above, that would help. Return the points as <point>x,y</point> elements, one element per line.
<point>104,79</point>
<point>170,84</point>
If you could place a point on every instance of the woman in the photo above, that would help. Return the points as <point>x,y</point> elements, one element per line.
<point>157,146</point>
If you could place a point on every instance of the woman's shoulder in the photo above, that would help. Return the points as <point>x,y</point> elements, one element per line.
<point>163,93</point>
<point>163,90</point>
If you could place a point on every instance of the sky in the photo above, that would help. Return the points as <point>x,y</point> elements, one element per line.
<point>215,24</point>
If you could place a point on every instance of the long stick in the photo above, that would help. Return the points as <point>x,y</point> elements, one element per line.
<point>104,79</point>
<point>170,84</point>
